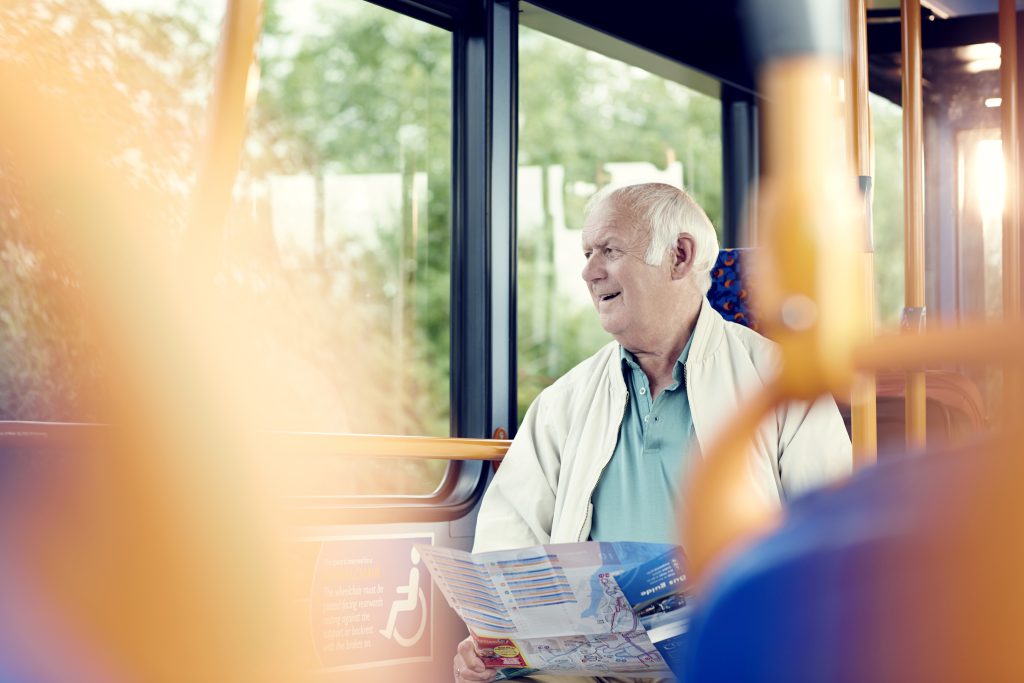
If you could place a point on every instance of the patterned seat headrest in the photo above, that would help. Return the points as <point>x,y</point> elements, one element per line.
<point>728,293</point>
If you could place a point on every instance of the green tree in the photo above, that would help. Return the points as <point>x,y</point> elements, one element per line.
<point>370,92</point>
<point>151,90</point>
<point>888,209</point>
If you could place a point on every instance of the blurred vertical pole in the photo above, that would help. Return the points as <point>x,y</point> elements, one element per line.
<point>1011,204</point>
<point>863,405</point>
<point>158,553</point>
<point>810,268</point>
<point>913,211</point>
<point>235,82</point>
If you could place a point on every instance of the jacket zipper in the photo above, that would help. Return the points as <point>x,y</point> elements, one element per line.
<point>590,497</point>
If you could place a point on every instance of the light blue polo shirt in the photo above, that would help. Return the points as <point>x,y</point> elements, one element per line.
<point>637,496</point>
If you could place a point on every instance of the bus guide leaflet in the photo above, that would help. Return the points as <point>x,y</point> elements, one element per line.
<point>590,608</point>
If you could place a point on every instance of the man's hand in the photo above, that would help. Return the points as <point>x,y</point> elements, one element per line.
<point>468,666</point>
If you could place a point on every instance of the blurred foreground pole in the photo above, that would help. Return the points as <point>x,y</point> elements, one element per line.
<point>236,82</point>
<point>810,275</point>
<point>151,552</point>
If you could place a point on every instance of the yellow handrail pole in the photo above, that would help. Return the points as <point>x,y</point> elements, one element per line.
<point>973,345</point>
<point>234,88</point>
<point>295,444</point>
<point>1011,208</point>
<point>806,285</point>
<point>361,446</point>
<point>1012,377</point>
<point>723,505</point>
<point>913,211</point>
<point>863,414</point>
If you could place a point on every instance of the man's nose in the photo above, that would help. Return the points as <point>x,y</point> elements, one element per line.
<point>592,270</point>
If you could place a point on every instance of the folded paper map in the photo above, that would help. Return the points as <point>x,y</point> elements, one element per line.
<point>588,608</point>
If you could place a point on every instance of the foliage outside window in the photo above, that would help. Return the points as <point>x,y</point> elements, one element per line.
<point>887,210</point>
<point>336,249</point>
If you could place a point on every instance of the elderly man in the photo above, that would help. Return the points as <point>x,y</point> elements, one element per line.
<point>602,451</point>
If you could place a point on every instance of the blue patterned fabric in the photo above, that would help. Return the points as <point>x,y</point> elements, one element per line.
<point>728,293</point>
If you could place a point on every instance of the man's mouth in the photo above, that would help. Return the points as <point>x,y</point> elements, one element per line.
<point>608,297</point>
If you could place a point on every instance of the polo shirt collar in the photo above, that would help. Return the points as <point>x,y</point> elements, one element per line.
<point>628,361</point>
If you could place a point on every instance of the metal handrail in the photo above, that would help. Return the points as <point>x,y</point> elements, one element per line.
<point>863,403</point>
<point>1013,379</point>
<point>1011,144</point>
<point>913,211</point>
<point>19,433</point>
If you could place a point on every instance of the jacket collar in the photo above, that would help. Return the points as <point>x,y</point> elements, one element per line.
<point>707,334</point>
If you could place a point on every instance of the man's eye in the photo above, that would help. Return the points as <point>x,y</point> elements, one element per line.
<point>611,251</point>
<point>587,254</point>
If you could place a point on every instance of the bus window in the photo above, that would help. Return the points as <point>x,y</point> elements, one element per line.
<point>335,253</point>
<point>340,234</point>
<point>146,72</point>
<point>887,209</point>
<point>980,184</point>
<point>587,121</point>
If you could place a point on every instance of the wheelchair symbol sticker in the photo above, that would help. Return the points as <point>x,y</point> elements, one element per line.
<point>370,602</point>
<point>414,600</point>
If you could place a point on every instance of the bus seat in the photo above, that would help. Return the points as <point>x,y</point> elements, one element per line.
<point>954,404</point>
<point>910,572</point>
<point>954,410</point>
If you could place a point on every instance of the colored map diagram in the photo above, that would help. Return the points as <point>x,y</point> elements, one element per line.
<point>555,608</point>
<point>610,653</point>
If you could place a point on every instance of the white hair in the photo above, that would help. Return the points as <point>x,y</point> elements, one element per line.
<point>667,211</point>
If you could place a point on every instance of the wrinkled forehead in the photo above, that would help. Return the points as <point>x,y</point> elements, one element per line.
<point>610,221</point>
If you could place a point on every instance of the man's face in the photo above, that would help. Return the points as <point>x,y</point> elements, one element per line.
<point>624,288</point>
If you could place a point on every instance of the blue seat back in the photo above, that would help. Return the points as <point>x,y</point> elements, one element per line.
<point>911,572</point>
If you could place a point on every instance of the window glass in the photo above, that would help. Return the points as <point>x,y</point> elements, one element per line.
<point>587,121</point>
<point>980,194</point>
<point>335,250</point>
<point>980,207</point>
<point>887,210</point>
<point>145,74</point>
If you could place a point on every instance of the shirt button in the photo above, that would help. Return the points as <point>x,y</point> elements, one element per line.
<point>647,418</point>
<point>642,391</point>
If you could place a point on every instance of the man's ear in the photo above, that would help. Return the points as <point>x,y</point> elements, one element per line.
<point>683,255</point>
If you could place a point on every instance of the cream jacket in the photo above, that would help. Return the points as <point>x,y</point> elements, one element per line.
<point>542,491</point>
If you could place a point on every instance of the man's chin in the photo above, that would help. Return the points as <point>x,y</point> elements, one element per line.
<point>611,326</point>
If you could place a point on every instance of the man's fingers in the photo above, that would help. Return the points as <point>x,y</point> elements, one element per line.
<point>471,660</point>
<point>466,646</point>
<point>464,673</point>
<point>469,666</point>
